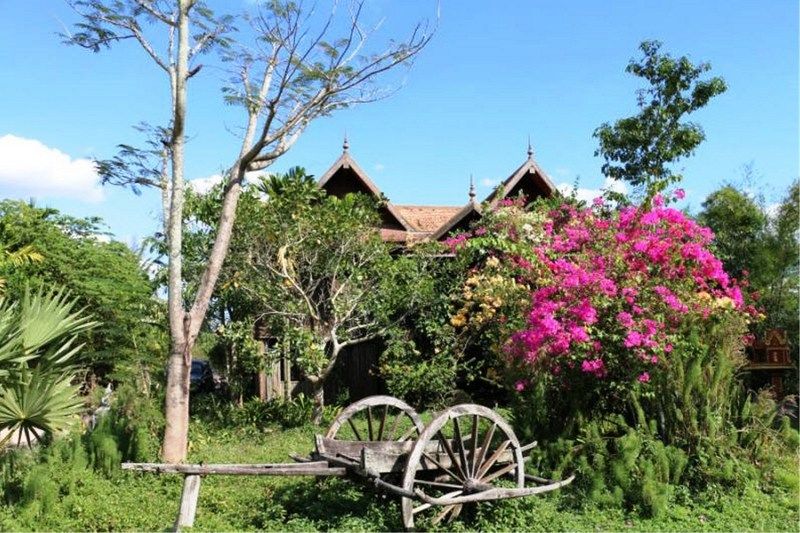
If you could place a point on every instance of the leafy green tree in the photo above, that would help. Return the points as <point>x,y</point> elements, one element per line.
<point>321,275</point>
<point>104,277</point>
<point>640,149</point>
<point>740,228</point>
<point>784,240</point>
<point>764,246</point>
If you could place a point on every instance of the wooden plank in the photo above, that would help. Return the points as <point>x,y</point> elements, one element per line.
<point>316,468</point>
<point>353,447</point>
<point>188,507</point>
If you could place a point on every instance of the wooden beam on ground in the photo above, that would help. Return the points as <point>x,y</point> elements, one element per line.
<point>316,468</point>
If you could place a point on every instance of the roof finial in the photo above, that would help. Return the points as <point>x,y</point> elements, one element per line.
<point>471,189</point>
<point>530,148</point>
<point>346,143</point>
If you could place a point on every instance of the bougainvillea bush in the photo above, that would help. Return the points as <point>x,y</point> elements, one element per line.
<point>614,315</point>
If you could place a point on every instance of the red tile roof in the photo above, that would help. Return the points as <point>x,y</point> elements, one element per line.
<point>426,218</point>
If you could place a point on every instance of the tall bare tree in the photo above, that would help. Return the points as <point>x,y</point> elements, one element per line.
<point>299,67</point>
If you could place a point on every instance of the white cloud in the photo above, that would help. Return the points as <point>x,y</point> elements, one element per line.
<point>587,195</point>
<point>487,182</point>
<point>203,185</point>
<point>380,167</point>
<point>30,168</point>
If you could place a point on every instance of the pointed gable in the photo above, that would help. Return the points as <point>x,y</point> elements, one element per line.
<point>345,176</point>
<point>461,221</point>
<point>529,179</point>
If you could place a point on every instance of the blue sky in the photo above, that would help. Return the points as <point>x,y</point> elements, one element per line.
<point>495,73</point>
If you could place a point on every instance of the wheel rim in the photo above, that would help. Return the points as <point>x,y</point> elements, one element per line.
<point>376,418</point>
<point>466,449</point>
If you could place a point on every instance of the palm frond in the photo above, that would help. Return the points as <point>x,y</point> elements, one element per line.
<point>40,401</point>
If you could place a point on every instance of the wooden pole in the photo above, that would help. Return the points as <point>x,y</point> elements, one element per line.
<point>188,508</point>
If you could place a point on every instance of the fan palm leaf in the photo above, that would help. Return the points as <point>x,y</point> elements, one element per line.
<point>40,402</point>
<point>38,345</point>
<point>46,317</point>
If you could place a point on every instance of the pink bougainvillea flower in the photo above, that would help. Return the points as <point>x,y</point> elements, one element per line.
<point>679,194</point>
<point>608,290</point>
<point>594,366</point>
<point>625,319</point>
<point>633,339</point>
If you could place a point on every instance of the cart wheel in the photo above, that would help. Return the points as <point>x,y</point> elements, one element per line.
<point>466,449</point>
<point>376,418</point>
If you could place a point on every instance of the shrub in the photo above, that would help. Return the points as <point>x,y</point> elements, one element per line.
<point>622,336</point>
<point>422,378</point>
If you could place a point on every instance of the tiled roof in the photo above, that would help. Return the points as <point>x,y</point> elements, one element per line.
<point>426,218</point>
<point>394,235</point>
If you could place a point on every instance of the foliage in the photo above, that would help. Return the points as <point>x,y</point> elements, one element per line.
<point>39,353</point>
<point>739,225</point>
<point>321,276</point>
<point>622,336</point>
<point>420,377</point>
<point>640,149</point>
<point>57,489</point>
<point>16,258</point>
<point>105,277</point>
<point>750,239</point>
<point>243,355</point>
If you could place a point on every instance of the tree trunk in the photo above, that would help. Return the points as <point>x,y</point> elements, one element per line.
<point>318,394</point>
<point>176,408</point>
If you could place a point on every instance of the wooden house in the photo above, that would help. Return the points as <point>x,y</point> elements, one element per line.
<point>411,223</point>
<point>355,369</point>
<point>769,361</point>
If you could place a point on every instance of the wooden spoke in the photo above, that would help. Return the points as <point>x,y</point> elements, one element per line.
<point>437,484</point>
<point>441,467</point>
<point>440,516</point>
<point>352,425</point>
<point>456,512</point>
<point>487,440</point>
<point>396,423</point>
<point>449,449</point>
<point>493,459</point>
<point>424,506</point>
<point>503,471</point>
<point>459,439</point>
<point>354,415</point>
<point>408,434</point>
<point>383,421</point>
<point>474,442</point>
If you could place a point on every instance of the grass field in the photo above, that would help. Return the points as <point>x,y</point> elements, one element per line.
<point>128,501</point>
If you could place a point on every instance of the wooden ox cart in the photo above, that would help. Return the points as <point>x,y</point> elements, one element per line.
<point>466,454</point>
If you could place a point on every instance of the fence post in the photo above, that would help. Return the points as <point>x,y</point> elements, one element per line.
<point>188,508</point>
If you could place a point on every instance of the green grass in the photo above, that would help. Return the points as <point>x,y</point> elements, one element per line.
<point>132,501</point>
